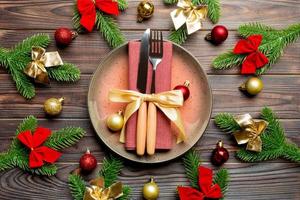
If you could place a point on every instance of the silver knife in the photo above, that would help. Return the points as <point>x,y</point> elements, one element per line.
<point>142,77</point>
<point>141,83</point>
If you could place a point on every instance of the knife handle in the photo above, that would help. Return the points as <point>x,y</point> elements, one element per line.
<point>141,130</point>
<point>151,129</point>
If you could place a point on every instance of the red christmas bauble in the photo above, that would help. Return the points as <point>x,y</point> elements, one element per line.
<point>87,162</point>
<point>184,89</point>
<point>64,36</point>
<point>218,34</point>
<point>220,154</point>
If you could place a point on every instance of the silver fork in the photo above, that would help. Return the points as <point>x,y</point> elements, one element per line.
<point>156,53</point>
<point>155,57</point>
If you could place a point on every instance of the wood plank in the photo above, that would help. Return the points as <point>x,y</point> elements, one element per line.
<point>88,50</point>
<point>248,181</point>
<point>91,141</point>
<point>39,14</point>
<point>281,93</point>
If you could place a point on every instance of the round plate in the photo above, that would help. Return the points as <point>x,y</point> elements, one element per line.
<point>113,73</point>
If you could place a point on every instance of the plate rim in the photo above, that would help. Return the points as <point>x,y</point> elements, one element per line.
<point>206,122</point>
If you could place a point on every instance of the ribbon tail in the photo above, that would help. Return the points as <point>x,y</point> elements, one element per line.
<point>178,18</point>
<point>53,59</point>
<point>129,110</point>
<point>35,160</point>
<point>188,193</point>
<point>255,144</point>
<point>49,155</point>
<point>174,115</point>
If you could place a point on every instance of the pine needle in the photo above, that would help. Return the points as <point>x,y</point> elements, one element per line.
<point>77,186</point>
<point>170,2</point>
<point>191,162</point>
<point>66,72</point>
<point>226,122</point>
<point>110,170</point>
<point>214,10</point>
<point>29,123</point>
<point>222,179</point>
<point>179,36</point>
<point>122,4</point>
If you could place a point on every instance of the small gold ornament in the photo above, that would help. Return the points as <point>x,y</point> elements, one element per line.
<point>145,10</point>
<point>115,122</point>
<point>253,86</point>
<point>151,190</point>
<point>53,106</point>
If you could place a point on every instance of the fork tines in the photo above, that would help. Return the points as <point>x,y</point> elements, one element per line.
<point>156,43</point>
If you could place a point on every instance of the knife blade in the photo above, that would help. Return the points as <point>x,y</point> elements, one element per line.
<point>143,62</point>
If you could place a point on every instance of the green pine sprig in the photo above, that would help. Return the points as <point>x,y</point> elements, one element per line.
<point>191,162</point>
<point>214,11</point>
<point>110,170</point>
<point>275,144</point>
<point>274,41</point>
<point>105,24</point>
<point>18,154</point>
<point>16,59</point>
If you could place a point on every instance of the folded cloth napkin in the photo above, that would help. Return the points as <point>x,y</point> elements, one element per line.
<point>163,83</point>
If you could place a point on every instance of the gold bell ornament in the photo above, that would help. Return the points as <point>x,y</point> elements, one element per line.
<point>252,86</point>
<point>151,190</point>
<point>145,10</point>
<point>53,106</point>
<point>115,122</point>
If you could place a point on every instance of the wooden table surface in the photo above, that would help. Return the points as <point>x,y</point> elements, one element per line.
<point>278,179</point>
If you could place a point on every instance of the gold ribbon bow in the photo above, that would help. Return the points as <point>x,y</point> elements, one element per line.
<point>168,102</point>
<point>188,14</point>
<point>40,60</point>
<point>97,191</point>
<point>251,131</point>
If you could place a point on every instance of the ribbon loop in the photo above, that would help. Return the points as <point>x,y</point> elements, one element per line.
<point>250,132</point>
<point>168,102</point>
<point>188,14</point>
<point>96,190</point>
<point>40,60</point>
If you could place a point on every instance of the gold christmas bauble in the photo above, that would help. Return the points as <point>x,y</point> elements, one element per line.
<point>53,106</point>
<point>145,10</point>
<point>115,122</point>
<point>151,190</point>
<point>252,86</point>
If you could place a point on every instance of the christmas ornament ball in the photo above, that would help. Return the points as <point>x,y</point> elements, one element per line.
<point>252,86</point>
<point>145,10</point>
<point>219,155</point>
<point>184,89</point>
<point>151,190</point>
<point>64,36</point>
<point>53,106</point>
<point>217,35</point>
<point>87,162</point>
<point>115,121</point>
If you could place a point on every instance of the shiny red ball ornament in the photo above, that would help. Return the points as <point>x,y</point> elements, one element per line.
<point>64,36</point>
<point>87,162</point>
<point>184,89</point>
<point>217,35</point>
<point>220,154</point>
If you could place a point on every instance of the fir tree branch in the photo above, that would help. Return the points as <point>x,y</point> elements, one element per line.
<point>214,10</point>
<point>64,138</point>
<point>179,36</point>
<point>122,4</point>
<point>110,170</point>
<point>77,186</point>
<point>126,193</point>
<point>191,162</point>
<point>256,28</point>
<point>291,152</point>
<point>222,179</point>
<point>40,40</point>
<point>76,20</point>
<point>170,2</point>
<point>109,30</point>
<point>66,72</point>
<point>226,122</point>
<point>6,161</point>
<point>29,123</point>
<point>227,60</point>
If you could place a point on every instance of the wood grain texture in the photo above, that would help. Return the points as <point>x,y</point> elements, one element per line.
<point>276,179</point>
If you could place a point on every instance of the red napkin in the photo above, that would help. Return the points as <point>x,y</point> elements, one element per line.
<point>163,83</point>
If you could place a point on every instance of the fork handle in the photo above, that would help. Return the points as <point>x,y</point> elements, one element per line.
<point>153,82</point>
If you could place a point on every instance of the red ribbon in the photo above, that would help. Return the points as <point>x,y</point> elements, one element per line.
<point>208,190</point>
<point>38,153</point>
<point>87,9</point>
<point>255,59</point>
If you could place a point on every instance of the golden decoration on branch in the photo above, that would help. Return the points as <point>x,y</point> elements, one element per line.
<point>40,61</point>
<point>251,131</point>
<point>97,191</point>
<point>168,102</point>
<point>188,14</point>
<point>145,10</point>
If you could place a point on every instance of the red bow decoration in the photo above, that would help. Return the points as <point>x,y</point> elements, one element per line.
<point>87,9</point>
<point>255,59</point>
<point>38,153</point>
<point>208,190</point>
